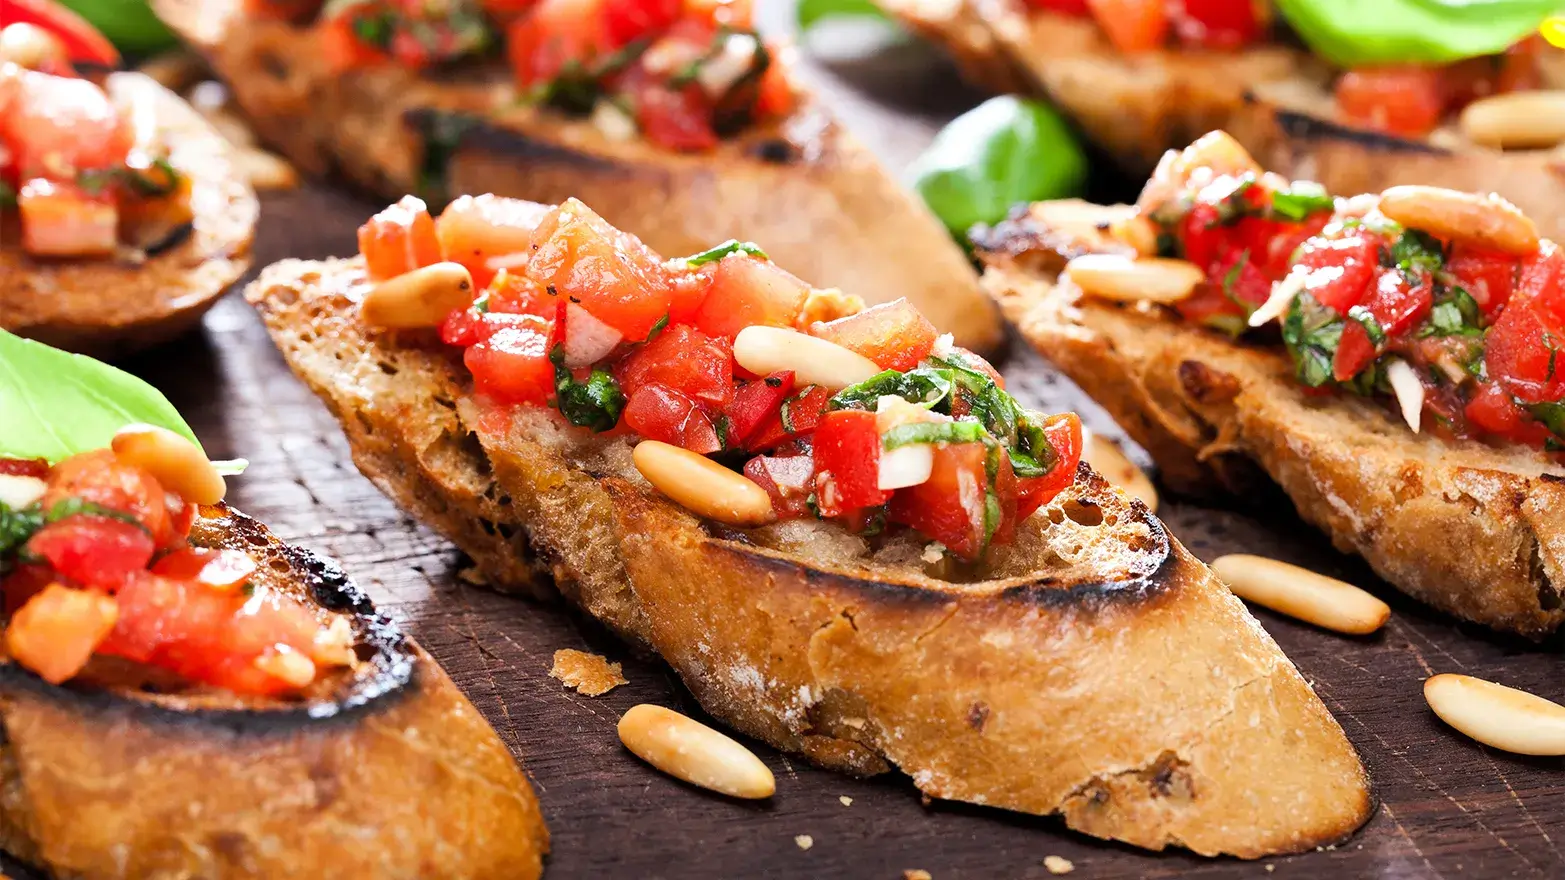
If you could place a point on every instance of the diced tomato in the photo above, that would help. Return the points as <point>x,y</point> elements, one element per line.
<point>1541,283</point>
<point>754,403</point>
<point>1396,306</point>
<point>399,239</point>
<point>789,480</point>
<point>99,478</point>
<point>1407,100</point>
<point>1210,307</point>
<point>1064,7</point>
<point>284,10</point>
<point>798,417</point>
<point>83,41</point>
<point>1005,493</point>
<point>24,467</point>
<point>59,629</point>
<point>1217,24</point>
<point>895,335</point>
<point>1064,434</point>
<point>1339,271</point>
<point>218,569</point>
<point>775,97</point>
<point>1488,276</point>
<point>340,46</point>
<point>1523,346</point>
<point>689,287</point>
<point>1494,411</point>
<point>748,291</point>
<point>847,462</point>
<point>607,272</point>
<point>732,14</point>
<point>1242,281</point>
<point>506,10</point>
<point>95,551</point>
<point>1355,351</point>
<point>1132,25</point>
<point>60,220</point>
<point>626,20</point>
<point>658,412</point>
<point>673,117</point>
<point>483,232</point>
<point>512,365</point>
<point>1277,252</point>
<point>1202,236</point>
<point>557,34</point>
<point>24,581</point>
<point>950,506</point>
<point>685,359</point>
<point>463,327</point>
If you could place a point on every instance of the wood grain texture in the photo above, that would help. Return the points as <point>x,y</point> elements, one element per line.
<point>1449,807</point>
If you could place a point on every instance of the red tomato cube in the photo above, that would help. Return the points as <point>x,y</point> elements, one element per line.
<point>100,478</point>
<point>748,291</point>
<point>754,403</point>
<point>847,462</point>
<point>788,480</point>
<point>217,569</point>
<point>61,220</point>
<point>894,335</point>
<point>685,359</point>
<point>609,273</point>
<point>951,506</point>
<point>94,551</point>
<point>512,365</point>
<point>1340,271</point>
<point>556,34</point>
<point>658,412</point>
<point>1064,435</point>
<point>1489,277</point>
<point>59,629</point>
<point>487,233</point>
<point>797,416</point>
<point>399,239</point>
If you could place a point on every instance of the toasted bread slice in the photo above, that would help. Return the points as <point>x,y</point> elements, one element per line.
<point>1476,531</point>
<point>105,778</point>
<point>1134,106</point>
<point>108,307</point>
<point>1097,671</point>
<point>804,189</point>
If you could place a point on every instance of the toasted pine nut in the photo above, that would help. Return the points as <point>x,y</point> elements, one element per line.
<point>19,492</point>
<point>1150,279</point>
<point>174,461</point>
<point>420,298</point>
<point>1301,593</point>
<point>814,361</point>
<point>1487,220</point>
<point>1137,231</point>
<point>264,170</point>
<point>287,665</point>
<point>701,485</point>
<point>1110,461</point>
<point>1516,120</point>
<point>30,46</point>
<point>1498,716</point>
<point>687,749</point>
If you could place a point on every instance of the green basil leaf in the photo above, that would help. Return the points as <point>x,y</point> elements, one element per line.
<point>811,11</point>
<point>1455,313</point>
<point>129,24</point>
<point>922,386</point>
<point>57,404</point>
<point>731,246</point>
<point>932,432</point>
<point>16,527</point>
<point>1552,415</point>
<point>1366,319</point>
<point>1004,152</point>
<point>1416,253</point>
<point>1311,332</point>
<point>69,507</point>
<point>1033,455</point>
<point>7,195</point>
<point>1300,200</point>
<point>1365,33</point>
<point>595,403</point>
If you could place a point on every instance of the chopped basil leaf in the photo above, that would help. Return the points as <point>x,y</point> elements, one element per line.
<point>1230,278</point>
<point>992,515</point>
<point>1551,415</point>
<point>481,305</point>
<point>16,527</point>
<point>7,195</point>
<point>1301,199</point>
<point>595,403</point>
<point>923,386</point>
<point>374,28</point>
<point>1415,253</point>
<point>1312,332</point>
<point>933,432</point>
<point>1234,206</point>
<point>731,246</point>
<point>657,328</point>
<point>720,426</point>
<point>1033,455</point>
<point>991,406</point>
<point>1455,313</point>
<point>443,134</point>
<point>785,412</point>
<point>1366,319</point>
<point>160,179</point>
<point>69,507</point>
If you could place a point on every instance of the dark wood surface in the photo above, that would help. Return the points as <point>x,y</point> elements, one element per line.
<point>1448,807</point>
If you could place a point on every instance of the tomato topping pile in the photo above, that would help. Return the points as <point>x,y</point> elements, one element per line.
<point>583,318</point>
<point>1145,25</point>
<point>97,562</point>
<point>1479,329</point>
<point>1411,100</point>
<point>685,73</point>
<point>73,165</point>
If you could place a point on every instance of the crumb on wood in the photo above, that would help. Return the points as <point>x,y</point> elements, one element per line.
<point>804,841</point>
<point>916,874</point>
<point>846,801</point>
<point>590,674</point>
<point>1270,868</point>
<point>1058,865</point>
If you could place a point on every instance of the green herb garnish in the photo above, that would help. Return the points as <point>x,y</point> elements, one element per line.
<point>594,403</point>
<point>933,432</point>
<point>731,246</point>
<point>925,387</point>
<point>1300,200</point>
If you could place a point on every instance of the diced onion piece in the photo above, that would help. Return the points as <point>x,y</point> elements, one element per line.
<point>943,345</point>
<point>1276,305</point>
<point>17,492</point>
<point>613,122</point>
<point>1409,391</point>
<point>906,466</point>
<point>719,73</point>
<point>587,339</point>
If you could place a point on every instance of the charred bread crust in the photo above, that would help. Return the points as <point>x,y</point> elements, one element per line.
<point>100,784</point>
<point>804,189</point>
<point>1142,700</point>
<point>1472,530</point>
<point>109,307</point>
<point>1135,107</point>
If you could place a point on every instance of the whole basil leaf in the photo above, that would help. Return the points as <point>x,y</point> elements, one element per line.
<point>129,24</point>
<point>1005,151</point>
<point>1361,33</point>
<point>811,11</point>
<point>54,404</point>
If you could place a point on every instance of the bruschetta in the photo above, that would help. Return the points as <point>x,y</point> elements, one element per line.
<point>122,219</point>
<point>1409,406</point>
<point>184,695</point>
<point>675,119</point>
<point>838,528</point>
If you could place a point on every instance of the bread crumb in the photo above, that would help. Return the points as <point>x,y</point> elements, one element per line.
<point>1270,868</point>
<point>916,874</point>
<point>804,841</point>
<point>590,674</point>
<point>934,552</point>
<point>1058,865</point>
<point>846,801</point>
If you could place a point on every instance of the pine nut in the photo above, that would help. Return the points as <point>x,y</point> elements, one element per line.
<point>1298,592</point>
<point>30,46</point>
<point>1137,231</point>
<point>687,749</point>
<point>1485,220</point>
<point>174,461</point>
<point>1113,465</point>
<point>19,492</point>
<point>287,666</point>
<point>1498,716</point>
<point>701,485</point>
<point>264,170</point>
<point>814,361</point>
<point>420,298</point>
<point>1516,120</point>
<point>1149,279</point>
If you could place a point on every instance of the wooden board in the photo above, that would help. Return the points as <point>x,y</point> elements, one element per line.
<point>1449,807</point>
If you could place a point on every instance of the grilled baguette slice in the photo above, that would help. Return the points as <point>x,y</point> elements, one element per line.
<point>804,190</point>
<point>103,779</point>
<point>1475,531</point>
<point>107,307</point>
<point>1099,671</point>
<point>1134,106</point>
